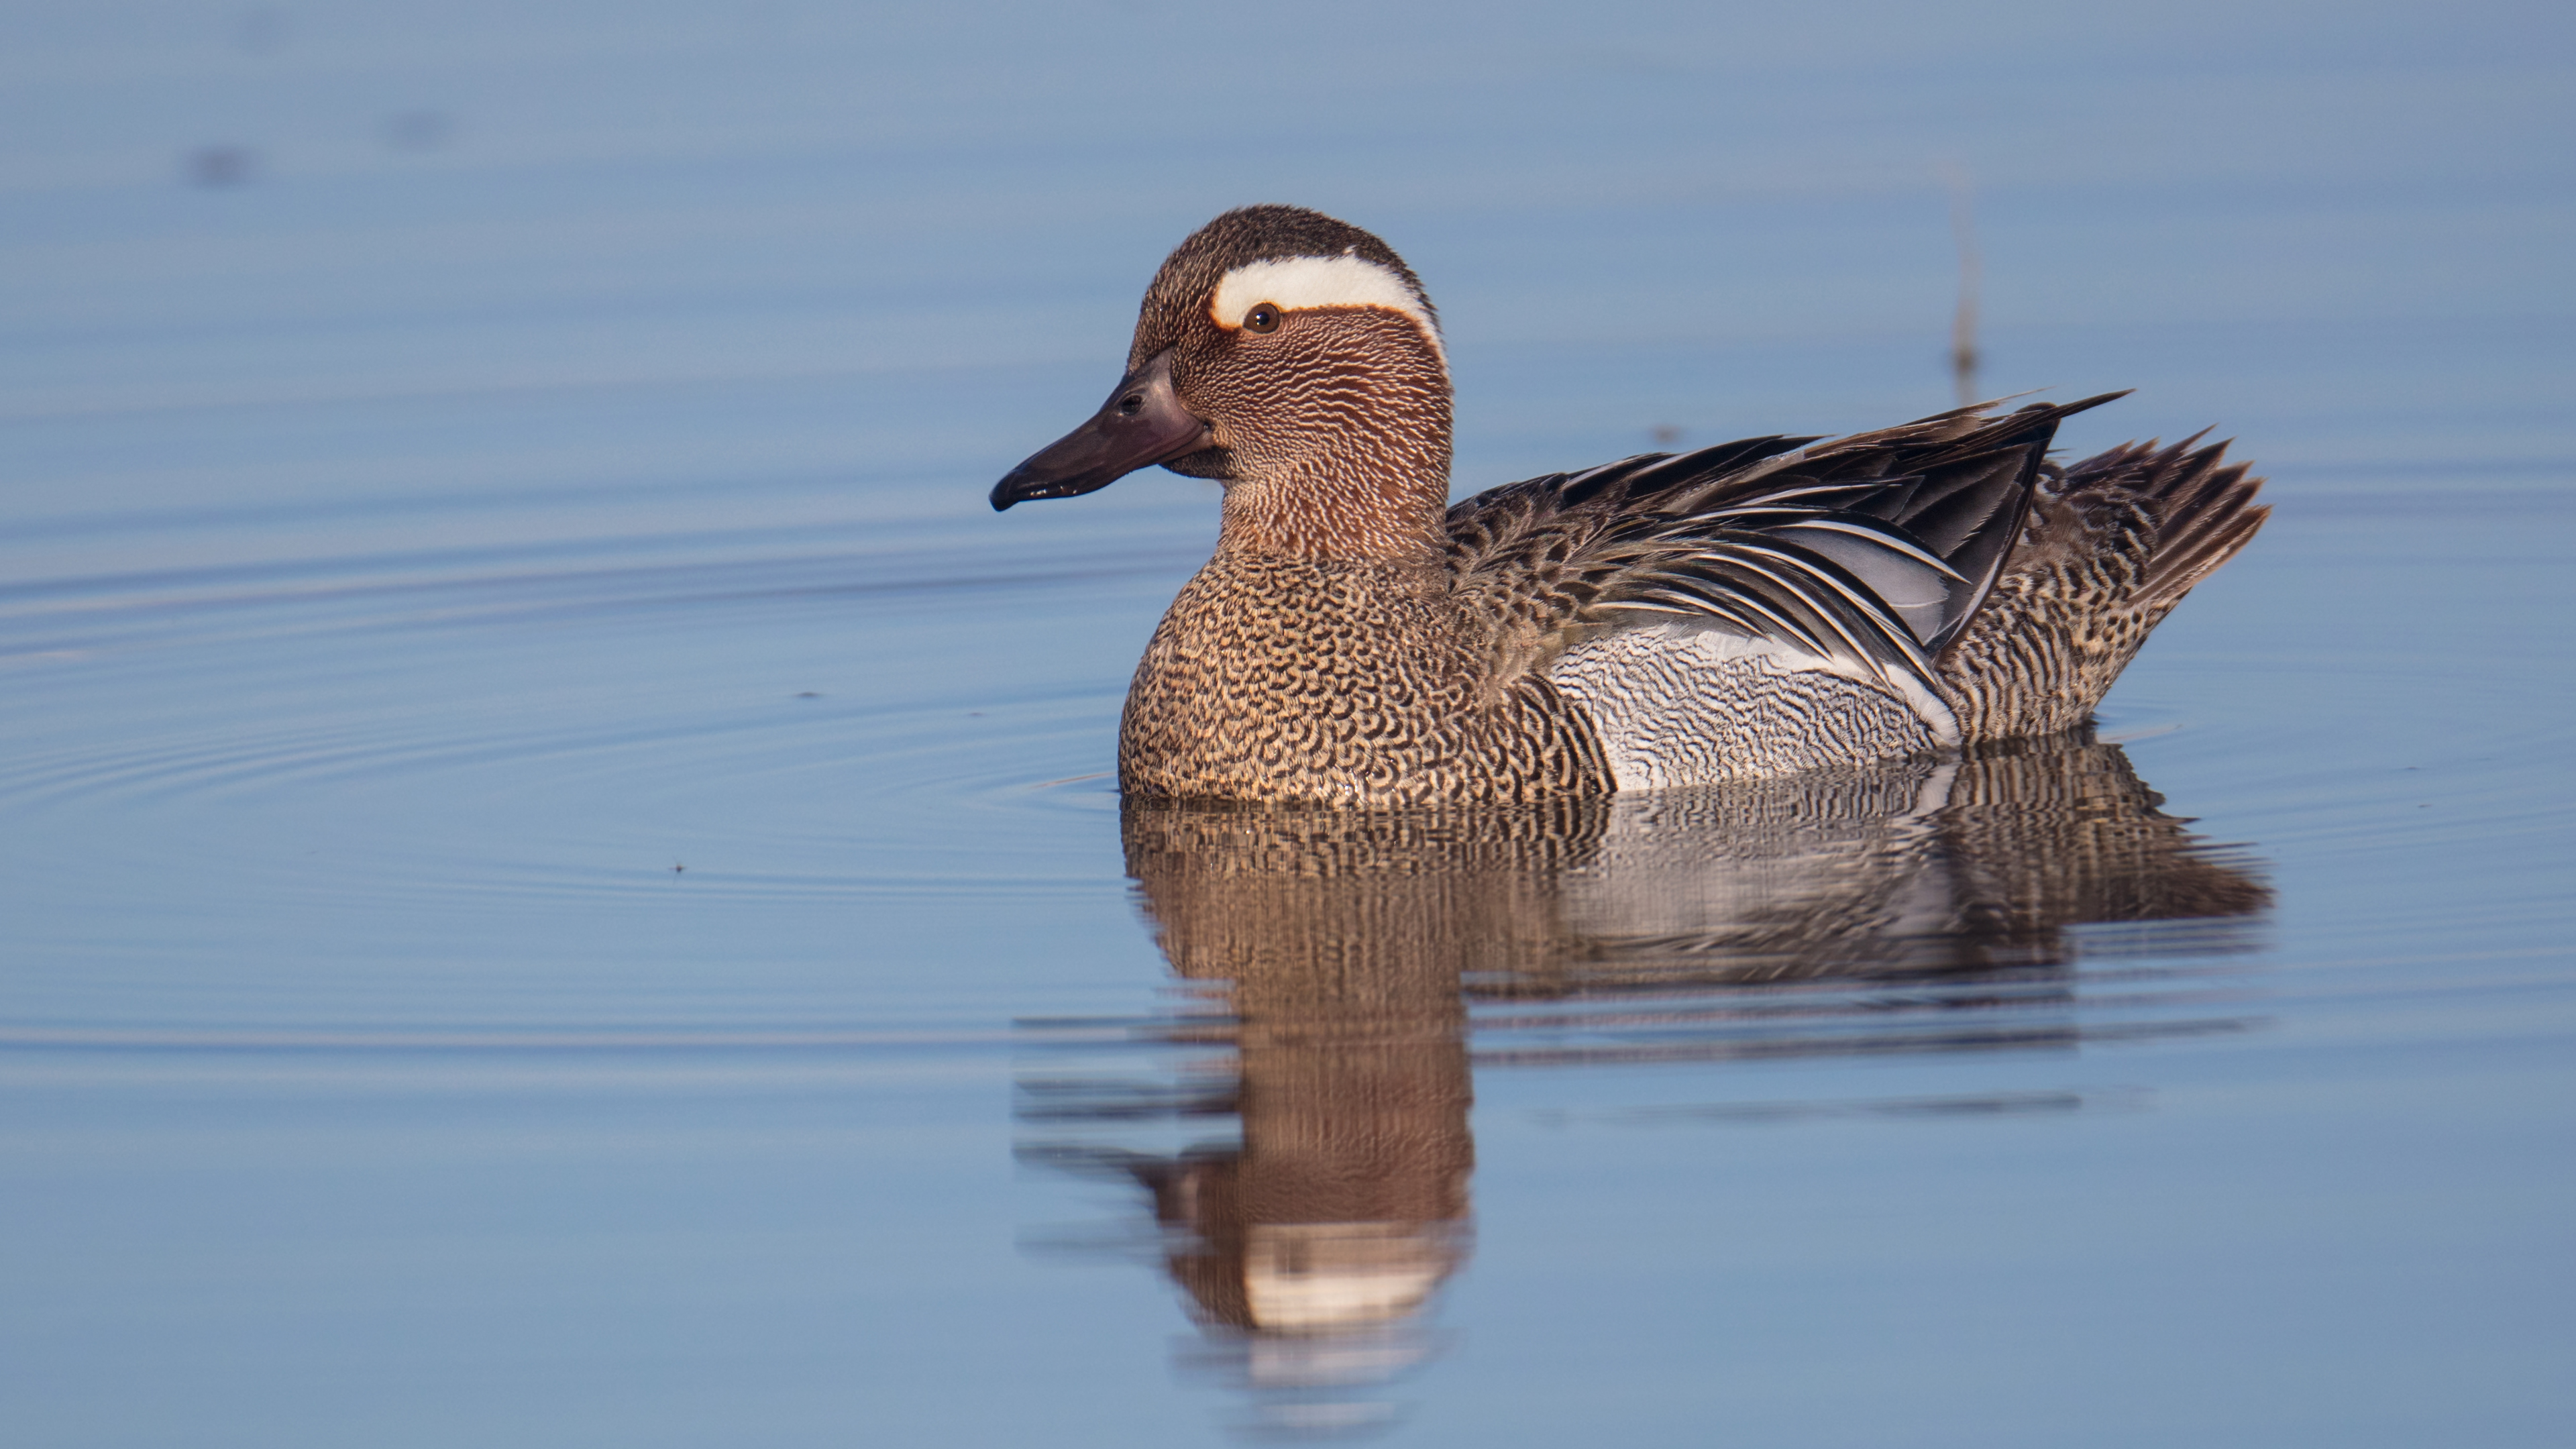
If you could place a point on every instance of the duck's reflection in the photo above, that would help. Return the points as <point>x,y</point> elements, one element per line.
<point>1910,908</point>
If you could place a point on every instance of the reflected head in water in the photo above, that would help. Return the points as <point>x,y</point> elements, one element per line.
<point>1367,959</point>
<point>1754,609</point>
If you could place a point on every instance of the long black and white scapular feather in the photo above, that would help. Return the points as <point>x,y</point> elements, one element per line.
<point>1869,554</point>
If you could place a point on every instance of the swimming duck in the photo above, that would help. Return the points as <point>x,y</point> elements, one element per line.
<point>1757,608</point>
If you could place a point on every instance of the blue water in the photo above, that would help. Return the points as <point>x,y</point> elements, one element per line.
<point>559,883</point>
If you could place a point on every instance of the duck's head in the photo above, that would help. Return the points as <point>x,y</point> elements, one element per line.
<point>1295,359</point>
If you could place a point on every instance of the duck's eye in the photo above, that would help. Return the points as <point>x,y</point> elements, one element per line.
<point>1263,318</point>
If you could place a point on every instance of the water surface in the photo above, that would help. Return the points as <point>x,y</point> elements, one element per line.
<point>561,886</point>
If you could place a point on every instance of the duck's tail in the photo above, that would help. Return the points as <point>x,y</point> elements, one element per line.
<point>2204,505</point>
<point>2113,543</point>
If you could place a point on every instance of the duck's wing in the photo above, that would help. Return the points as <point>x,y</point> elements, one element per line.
<point>1867,555</point>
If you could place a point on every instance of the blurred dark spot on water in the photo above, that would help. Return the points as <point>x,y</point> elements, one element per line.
<point>1667,435</point>
<point>418,130</point>
<point>219,165</point>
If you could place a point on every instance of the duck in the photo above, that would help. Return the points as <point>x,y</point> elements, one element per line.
<point>1753,609</point>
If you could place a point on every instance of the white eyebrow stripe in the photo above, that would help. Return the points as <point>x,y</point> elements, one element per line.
<point>1293,283</point>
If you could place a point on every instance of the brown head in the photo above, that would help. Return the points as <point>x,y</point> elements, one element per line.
<point>1295,359</point>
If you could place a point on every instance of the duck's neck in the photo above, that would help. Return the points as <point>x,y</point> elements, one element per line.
<point>1373,491</point>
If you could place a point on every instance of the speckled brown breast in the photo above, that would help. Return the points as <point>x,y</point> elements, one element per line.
<point>1341,682</point>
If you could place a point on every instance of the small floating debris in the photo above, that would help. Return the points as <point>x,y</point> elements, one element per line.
<point>418,130</point>
<point>219,165</point>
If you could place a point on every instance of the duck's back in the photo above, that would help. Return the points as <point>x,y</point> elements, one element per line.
<point>1762,607</point>
<point>1750,610</point>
